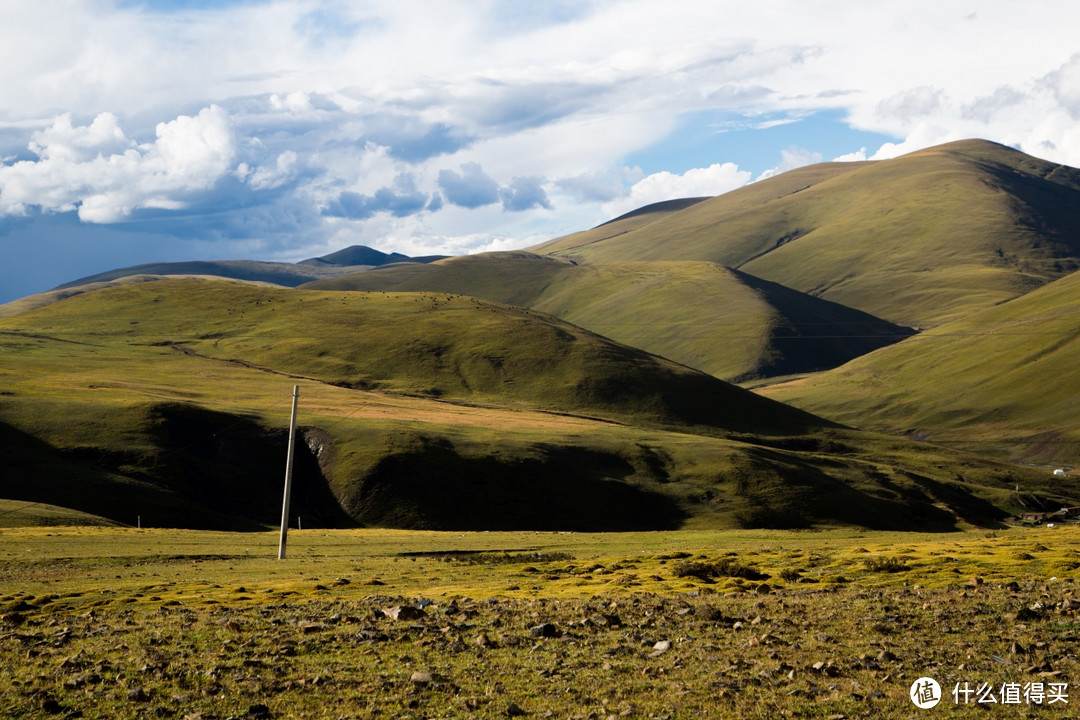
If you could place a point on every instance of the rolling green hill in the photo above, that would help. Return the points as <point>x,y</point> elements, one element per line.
<point>167,401</point>
<point>916,240</point>
<point>720,321</point>
<point>1001,382</point>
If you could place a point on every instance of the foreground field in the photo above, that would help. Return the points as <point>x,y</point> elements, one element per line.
<point>124,623</point>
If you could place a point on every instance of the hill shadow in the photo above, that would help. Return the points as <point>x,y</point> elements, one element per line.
<point>802,494</point>
<point>207,470</point>
<point>237,466</point>
<point>553,488</point>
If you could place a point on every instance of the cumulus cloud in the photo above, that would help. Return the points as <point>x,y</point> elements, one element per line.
<point>400,200</point>
<point>268,177</point>
<point>492,114</point>
<point>910,104</point>
<point>716,179</point>
<point>986,107</point>
<point>96,170</point>
<point>525,193</point>
<point>1065,84</point>
<point>792,158</point>
<point>471,188</point>
<point>857,156</point>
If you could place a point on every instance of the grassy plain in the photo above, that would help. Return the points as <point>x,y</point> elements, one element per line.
<point>125,623</point>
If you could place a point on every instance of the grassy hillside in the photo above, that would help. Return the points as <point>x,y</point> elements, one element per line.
<point>1001,382</point>
<point>917,240</point>
<point>168,401</point>
<point>436,345</point>
<point>700,314</point>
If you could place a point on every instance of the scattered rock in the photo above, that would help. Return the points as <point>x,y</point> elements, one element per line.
<point>137,695</point>
<point>546,630</point>
<point>421,678</point>
<point>826,668</point>
<point>660,648</point>
<point>404,612</point>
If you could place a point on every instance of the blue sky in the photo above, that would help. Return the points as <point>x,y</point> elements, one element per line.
<point>136,131</point>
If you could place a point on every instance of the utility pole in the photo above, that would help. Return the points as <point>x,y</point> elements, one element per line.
<point>288,477</point>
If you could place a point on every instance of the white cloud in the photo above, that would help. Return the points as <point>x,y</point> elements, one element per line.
<point>792,158</point>
<point>910,104</point>
<point>857,156</point>
<point>96,170</point>
<point>1065,84</point>
<point>269,177</point>
<point>306,111</point>
<point>697,182</point>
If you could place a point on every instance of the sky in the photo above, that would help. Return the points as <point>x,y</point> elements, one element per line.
<point>136,131</point>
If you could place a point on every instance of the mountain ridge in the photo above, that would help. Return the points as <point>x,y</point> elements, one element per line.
<point>915,240</point>
<point>716,319</point>
<point>278,273</point>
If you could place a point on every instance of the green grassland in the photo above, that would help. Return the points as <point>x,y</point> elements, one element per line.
<point>700,314</point>
<point>917,240</point>
<point>168,401</point>
<point>1011,373</point>
<point>125,623</point>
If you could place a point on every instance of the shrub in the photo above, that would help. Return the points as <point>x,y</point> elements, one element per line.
<point>724,567</point>
<point>886,564</point>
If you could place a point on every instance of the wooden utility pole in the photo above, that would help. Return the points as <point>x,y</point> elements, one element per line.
<point>288,477</point>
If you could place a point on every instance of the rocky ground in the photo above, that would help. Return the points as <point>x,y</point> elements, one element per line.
<point>829,652</point>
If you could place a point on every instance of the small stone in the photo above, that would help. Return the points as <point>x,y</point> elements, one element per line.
<point>546,630</point>
<point>421,678</point>
<point>660,648</point>
<point>404,612</point>
<point>137,695</point>
<point>482,641</point>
